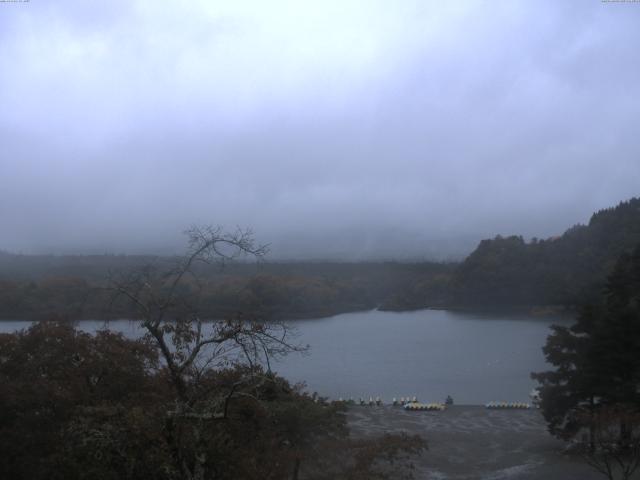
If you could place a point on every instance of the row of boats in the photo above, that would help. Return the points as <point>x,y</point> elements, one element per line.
<point>508,405</point>
<point>425,406</point>
<point>378,401</point>
<point>361,401</point>
<point>412,403</point>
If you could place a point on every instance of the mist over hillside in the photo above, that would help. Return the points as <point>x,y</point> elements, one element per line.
<point>346,130</point>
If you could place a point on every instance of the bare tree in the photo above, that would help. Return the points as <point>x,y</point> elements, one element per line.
<point>190,347</point>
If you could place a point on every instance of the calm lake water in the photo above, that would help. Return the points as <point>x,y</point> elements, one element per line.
<point>475,358</point>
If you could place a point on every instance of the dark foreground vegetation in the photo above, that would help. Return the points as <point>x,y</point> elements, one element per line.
<point>76,406</point>
<point>506,272</point>
<point>593,395</point>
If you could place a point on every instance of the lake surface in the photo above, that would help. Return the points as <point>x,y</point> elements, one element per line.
<point>475,358</point>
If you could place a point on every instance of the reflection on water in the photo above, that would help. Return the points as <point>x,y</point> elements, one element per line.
<point>428,353</point>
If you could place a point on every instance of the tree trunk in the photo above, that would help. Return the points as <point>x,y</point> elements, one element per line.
<point>625,434</point>
<point>296,468</point>
<point>592,427</point>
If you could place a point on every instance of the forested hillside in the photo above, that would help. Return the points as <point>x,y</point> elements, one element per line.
<point>564,270</point>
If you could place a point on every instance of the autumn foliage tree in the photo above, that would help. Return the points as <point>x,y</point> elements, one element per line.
<point>52,377</point>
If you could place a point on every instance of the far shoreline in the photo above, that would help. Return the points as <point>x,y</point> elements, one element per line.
<point>542,311</point>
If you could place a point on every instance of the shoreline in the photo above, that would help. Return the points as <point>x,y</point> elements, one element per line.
<point>541,311</point>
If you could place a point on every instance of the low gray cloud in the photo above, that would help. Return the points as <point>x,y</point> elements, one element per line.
<point>345,129</point>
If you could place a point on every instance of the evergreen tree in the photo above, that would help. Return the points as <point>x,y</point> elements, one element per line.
<point>597,359</point>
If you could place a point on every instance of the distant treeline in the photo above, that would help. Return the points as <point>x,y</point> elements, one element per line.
<point>34,287</point>
<point>506,272</point>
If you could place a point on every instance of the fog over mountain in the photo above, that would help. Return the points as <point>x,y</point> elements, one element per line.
<point>335,129</point>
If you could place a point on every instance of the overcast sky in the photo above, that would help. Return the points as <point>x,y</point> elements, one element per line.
<point>334,128</point>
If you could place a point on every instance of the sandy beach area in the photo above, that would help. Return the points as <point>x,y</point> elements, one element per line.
<point>472,442</point>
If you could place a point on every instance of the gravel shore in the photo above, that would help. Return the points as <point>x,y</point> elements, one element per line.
<point>472,442</point>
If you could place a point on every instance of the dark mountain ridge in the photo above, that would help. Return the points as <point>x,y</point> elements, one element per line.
<point>564,270</point>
